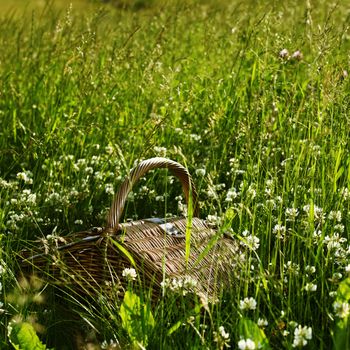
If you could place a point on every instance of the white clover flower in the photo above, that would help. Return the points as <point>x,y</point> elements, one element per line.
<point>231,195</point>
<point>341,309</point>
<point>345,193</point>
<point>297,55</point>
<point>250,240</point>
<point>310,269</point>
<point>129,273</point>
<point>339,227</point>
<point>222,337</point>
<point>223,333</point>
<point>180,285</point>
<point>310,287</point>
<point>335,215</point>
<point>284,53</point>
<point>200,172</point>
<point>262,322</point>
<point>89,170</point>
<point>25,176</point>
<point>109,189</point>
<point>246,344</point>
<point>251,192</point>
<point>247,304</point>
<point>291,214</point>
<point>279,230</point>
<point>161,151</point>
<point>301,336</point>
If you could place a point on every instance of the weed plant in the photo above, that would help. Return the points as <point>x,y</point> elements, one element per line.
<point>252,96</point>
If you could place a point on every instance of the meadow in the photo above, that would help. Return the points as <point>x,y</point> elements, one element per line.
<point>253,97</point>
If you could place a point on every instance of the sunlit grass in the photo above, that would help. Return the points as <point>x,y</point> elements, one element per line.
<point>254,98</point>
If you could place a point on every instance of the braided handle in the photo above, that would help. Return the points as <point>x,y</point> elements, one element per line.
<point>136,173</point>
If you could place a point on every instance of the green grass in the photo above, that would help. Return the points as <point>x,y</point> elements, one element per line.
<point>87,92</point>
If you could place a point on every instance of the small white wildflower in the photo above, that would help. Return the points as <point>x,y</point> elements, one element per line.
<point>310,287</point>
<point>109,345</point>
<point>284,53</point>
<point>297,55</point>
<point>222,338</point>
<point>251,192</point>
<point>247,304</point>
<point>291,214</point>
<point>335,215</point>
<point>301,336</point>
<point>339,227</point>
<point>25,176</point>
<point>89,170</point>
<point>0,287</point>
<point>262,322</point>
<point>160,151</point>
<point>347,269</point>
<point>129,273</point>
<point>231,195</point>
<point>109,189</point>
<point>78,222</point>
<point>200,172</point>
<point>252,242</point>
<point>337,276</point>
<point>341,309</point>
<point>345,193</point>
<point>279,230</point>
<point>246,344</point>
<point>310,269</point>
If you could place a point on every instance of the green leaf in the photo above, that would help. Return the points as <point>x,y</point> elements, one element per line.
<point>174,327</point>
<point>249,329</point>
<point>344,289</point>
<point>137,318</point>
<point>23,337</point>
<point>124,251</point>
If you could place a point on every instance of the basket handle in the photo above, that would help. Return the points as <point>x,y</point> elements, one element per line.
<point>136,173</point>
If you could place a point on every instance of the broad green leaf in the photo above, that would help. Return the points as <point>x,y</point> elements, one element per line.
<point>344,289</point>
<point>249,329</point>
<point>137,318</point>
<point>23,337</point>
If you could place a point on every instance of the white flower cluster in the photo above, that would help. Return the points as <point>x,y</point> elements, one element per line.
<point>250,240</point>
<point>26,177</point>
<point>341,309</point>
<point>246,344</point>
<point>180,285</point>
<point>222,337</point>
<point>301,336</point>
<point>129,273</point>
<point>247,304</point>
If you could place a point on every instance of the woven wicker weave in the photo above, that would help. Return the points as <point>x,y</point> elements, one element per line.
<point>157,247</point>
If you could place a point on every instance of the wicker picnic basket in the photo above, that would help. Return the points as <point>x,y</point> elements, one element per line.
<point>156,248</point>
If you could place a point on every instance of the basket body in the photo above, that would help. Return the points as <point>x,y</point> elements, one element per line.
<point>94,260</point>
